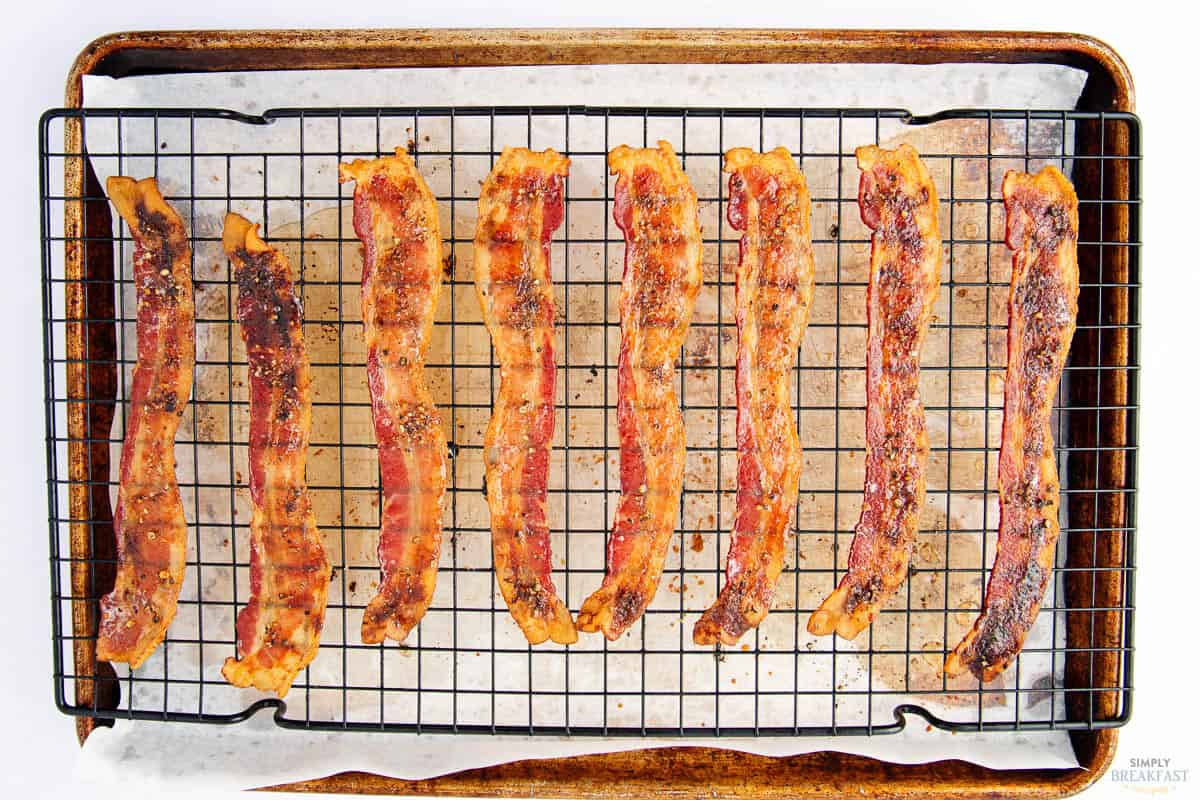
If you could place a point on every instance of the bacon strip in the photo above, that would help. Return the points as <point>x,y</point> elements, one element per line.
<point>1042,230</point>
<point>768,201</point>
<point>396,218</point>
<point>520,206</point>
<point>150,527</point>
<point>655,207</point>
<point>898,202</point>
<point>279,630</point>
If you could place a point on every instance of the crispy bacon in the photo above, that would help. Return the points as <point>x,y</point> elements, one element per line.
<point>520,206</point>
<point>396,218</point>
<point>279,629</point>
<point>898,202</point>
<point>1042,230</point>
<point>768,201</point>
<point>655,207</point>
<point>150,527</point>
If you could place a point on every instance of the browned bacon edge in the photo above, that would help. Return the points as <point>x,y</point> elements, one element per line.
<point>898,202</point>
<point>655,207</point>
<point>395,216</point>
<point>1042,230</point>
<point>520,206</point>
<point>150,527</point>
<point>769,203</point>
<point>279,629</point>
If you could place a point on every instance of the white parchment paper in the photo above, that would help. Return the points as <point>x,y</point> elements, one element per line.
<point>256,753</point>
<point>247,755</point>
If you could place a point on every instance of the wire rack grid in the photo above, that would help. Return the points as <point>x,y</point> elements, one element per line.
<point>467,668</point>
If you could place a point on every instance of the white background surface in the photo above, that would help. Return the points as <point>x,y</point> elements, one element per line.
<point>37,745</point>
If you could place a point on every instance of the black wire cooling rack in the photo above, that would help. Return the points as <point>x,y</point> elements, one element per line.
<point>467,668</point>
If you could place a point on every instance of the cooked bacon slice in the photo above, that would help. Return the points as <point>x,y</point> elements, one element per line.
<point>769,203</point>
<point>655,207</point>
<point>898,202</point>
<point>1042,229</point>
<point>279,630</point>
<point>150,528</point>
<point>520,206</point>
<point>396,218</point>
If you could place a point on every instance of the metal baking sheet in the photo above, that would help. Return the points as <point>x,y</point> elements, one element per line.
<point>288,196</point>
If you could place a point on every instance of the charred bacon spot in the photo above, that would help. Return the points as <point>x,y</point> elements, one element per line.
<point>528,591</point>
<point>157,233</point>
<point>864,592</point>
<point>410,591</point>
<point>728,616</point>
<point>627,607</point>
<point>1001,627</point>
